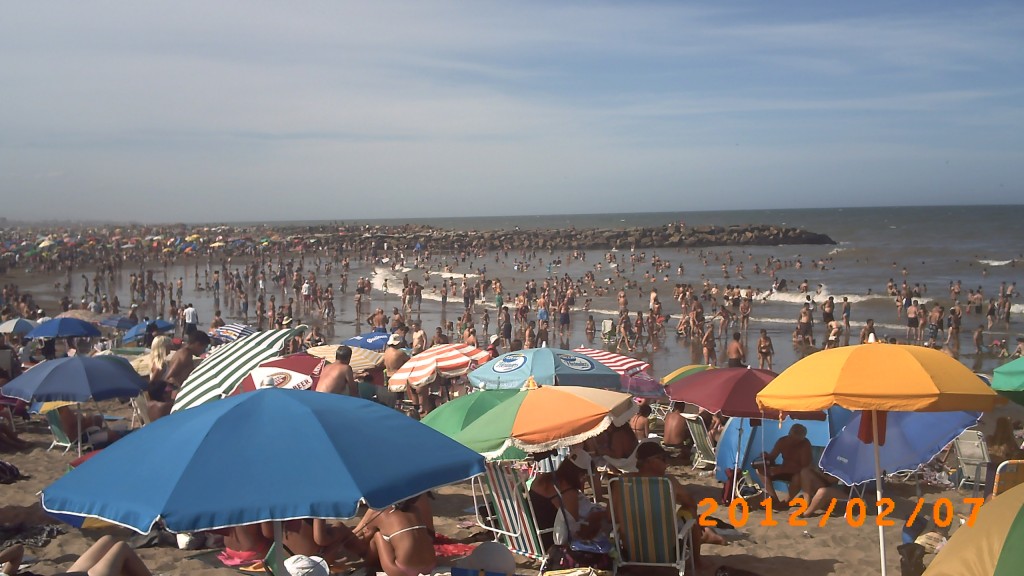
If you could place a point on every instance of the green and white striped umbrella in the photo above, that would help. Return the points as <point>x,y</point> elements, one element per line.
<point>222,372</point>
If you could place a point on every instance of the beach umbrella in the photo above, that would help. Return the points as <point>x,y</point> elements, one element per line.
<point>618,362</point>
<point>1008,380</point>
<point>117,322</point>
<point>77,379</point>
<point>363,360</point>
<point>232,332</point>
<point>268,455</point>
<point>989,547</point>
<point>19,326</point>
<point>642,385</point>
<point>64,328</point>
<point>375,341</point>
<point>222,371</point>
<point>299,371</point>
<point>911,439</point>
<point>139,330</point>
<point>81,314</point>
<point>729,391</point>
<point>879,378</point>
<point>536,418</point>
<point>443,360</point>
<point>684,371</point>
<point>547,366</point>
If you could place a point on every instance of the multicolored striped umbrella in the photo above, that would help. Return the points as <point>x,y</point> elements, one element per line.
<point>683,372</point>
<point>991,546</point>
<point>622,364</point>
<point>232,332</point>
<point>444,360</point>
<point>534,419</point>
<point>223,370</point>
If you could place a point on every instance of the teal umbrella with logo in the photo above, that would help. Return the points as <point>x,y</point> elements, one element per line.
<point>547,366</point>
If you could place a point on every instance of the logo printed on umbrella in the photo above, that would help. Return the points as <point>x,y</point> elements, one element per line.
<point>509,362</point>
<point>283,379</point>
<point>578,363</point>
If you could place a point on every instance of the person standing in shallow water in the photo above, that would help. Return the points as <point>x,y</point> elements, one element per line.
<point>736,352</point>
<point>765,351</point>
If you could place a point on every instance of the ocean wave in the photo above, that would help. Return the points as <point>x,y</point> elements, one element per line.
<point>853,325</point>
<point>791,297</point>
<point>996,262</point>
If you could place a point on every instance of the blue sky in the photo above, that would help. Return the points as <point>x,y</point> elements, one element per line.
<point>231,110</point>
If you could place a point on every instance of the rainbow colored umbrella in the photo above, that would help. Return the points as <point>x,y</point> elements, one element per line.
<point>989,547</point>
<point>533,419</point>
<point>683,372</point>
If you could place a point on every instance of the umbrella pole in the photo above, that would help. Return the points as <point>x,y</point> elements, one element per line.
<point>278,558</point>
<point>736,465</point>
<point>878,487</point>
<point>78,418</point>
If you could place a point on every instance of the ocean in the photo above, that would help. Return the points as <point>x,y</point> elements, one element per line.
<point>979,246</point>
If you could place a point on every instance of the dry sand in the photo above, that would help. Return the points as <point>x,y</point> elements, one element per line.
<point>782,550</point>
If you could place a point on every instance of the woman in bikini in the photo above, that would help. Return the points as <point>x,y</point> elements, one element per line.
<point>401,537</point>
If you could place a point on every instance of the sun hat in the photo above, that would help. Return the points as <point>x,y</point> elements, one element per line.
<point>394,340</point>
<point>494,338</point>
<point>301,565</point>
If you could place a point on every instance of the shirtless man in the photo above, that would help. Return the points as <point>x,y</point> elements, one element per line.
<point>419,338</point>
<point>867,331</point>
<point>913,322</point>
<point>394,359</point>
<point>736,352</point>
<point>795,450</point>
<point>337,377</point>
<point>805,325</point>
<point>182,363</point>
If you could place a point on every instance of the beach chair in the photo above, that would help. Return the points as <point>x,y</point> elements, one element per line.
<point>140,409</point>
<point>972,457</point>
<point>60,437</point>
<point>1008,475</point>
<point>645,529</point>
<point>659,410</point>
<point>704,452</point>
<point>502,492</point>
<point>608,332</point>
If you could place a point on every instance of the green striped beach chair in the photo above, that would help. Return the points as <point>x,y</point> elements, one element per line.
<point>502,489</point>
<point>645,529</point>
<point>704,452</point>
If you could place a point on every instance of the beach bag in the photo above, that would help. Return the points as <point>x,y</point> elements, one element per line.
<point>9,473</point>
<point>911,559</point>
<point>569,553</point>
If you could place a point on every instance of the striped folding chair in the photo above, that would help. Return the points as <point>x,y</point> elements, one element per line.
<point>704,452</point>
<point>1009,474</point>
<point>646,531</point>
<point>503,493</point>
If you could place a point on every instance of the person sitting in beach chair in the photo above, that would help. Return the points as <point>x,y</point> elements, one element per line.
<point>93,428</point>
<point>560,491</point>
<point>795,451</point>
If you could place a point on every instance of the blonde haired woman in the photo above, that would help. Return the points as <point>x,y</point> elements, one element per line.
<point>159,356</point>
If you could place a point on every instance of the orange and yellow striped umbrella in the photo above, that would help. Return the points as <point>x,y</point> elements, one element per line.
<point>444,360</point>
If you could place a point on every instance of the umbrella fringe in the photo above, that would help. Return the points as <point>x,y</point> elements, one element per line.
<point>564,441</point>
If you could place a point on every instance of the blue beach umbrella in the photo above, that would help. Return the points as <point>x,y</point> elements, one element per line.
<point>375,341</point>
<point>271,454</point>
<point>117,322</point>
<point>64,328</point>
<point>17,326</point>
<point>77,379</point>
<point>139,330</point>
<point>547,366</point>
<point>911,439</point>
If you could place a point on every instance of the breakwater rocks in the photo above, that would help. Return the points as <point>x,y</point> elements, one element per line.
<point>672,236</point>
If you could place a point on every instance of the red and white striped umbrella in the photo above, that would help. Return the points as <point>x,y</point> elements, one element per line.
<point>444,360</point>
<point>621,364</point>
